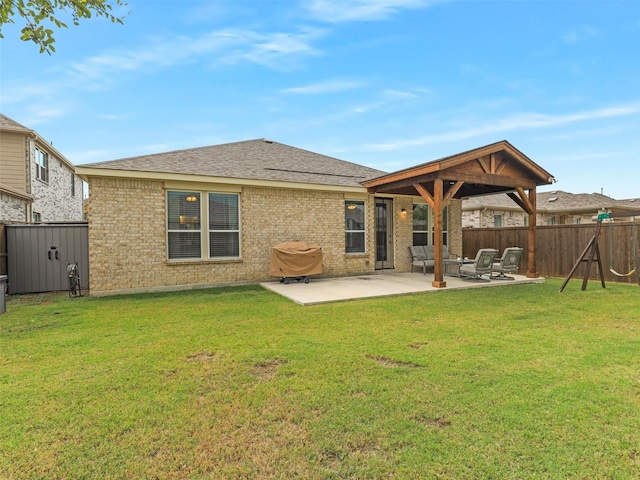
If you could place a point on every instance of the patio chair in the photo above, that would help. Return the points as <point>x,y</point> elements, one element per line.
<point>418,258</point>
<point>508,263</point>
<point>481,265</point>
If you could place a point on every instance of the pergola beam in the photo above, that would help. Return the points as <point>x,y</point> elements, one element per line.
<point>424,194</point>
<point>491,179</point>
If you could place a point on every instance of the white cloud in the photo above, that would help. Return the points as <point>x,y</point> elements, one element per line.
<point>10,94</point>
<point>226,46</point>
<point>338,11</point>
<point>394,95</point>
<point>276,50</point>
<point>329,86</point>
<point>42,114</point>
<point>578,34</point>
<point>524,121</point>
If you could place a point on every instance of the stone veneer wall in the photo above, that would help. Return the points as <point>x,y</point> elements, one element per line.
<point>127,246</point>
<point>13,209</point>
<point>53,199</point>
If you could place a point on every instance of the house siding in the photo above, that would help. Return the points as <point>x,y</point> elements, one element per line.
<point>13,167</point>
<point>127,238</point>
<point>53,199</point>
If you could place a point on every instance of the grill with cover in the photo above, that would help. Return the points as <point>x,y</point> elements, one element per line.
<point>295,260</point>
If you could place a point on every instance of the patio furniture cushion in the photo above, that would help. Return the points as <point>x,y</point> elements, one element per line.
<point>426,256</point>
<point>418,257</point>
<point>482,265</point>
<point>508,263</point>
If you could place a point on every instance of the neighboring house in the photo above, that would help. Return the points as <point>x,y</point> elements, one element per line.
<point>37,183</point>
<point>553,208</point>
<point>210,215</point>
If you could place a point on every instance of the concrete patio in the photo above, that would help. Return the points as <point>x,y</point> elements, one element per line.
<point>325,290</point>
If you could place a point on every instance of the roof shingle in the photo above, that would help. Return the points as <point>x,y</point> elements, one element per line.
<point>259,159</point>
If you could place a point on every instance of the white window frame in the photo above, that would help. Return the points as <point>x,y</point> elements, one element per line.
<point>170,231</point>
<point>210,230</point>
<point>362,231</point>
<point>430,225</point>
<point>498,218</point>
<point>42,165</point>
<point>205,227</point>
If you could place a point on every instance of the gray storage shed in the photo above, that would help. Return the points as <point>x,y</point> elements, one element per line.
<point>37,256</point>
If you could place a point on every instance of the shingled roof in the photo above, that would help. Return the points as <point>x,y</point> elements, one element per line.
<point>7,123</point>
<point>551,202</point>
<point>259,159</point>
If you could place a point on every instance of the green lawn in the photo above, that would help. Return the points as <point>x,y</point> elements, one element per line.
<point>512,382</point>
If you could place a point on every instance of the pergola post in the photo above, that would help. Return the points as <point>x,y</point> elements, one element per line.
<point>531,237</point>
<point>438,261</point>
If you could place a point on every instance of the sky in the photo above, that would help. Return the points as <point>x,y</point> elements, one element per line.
<point>383,83</point>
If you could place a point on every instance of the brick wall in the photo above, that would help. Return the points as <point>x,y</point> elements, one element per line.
<point>127,246</point>
<point>127,236</point>
<point>403,230</point>
<point>455,227</point>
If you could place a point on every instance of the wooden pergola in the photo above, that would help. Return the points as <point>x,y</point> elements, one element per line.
<point>495,168</point>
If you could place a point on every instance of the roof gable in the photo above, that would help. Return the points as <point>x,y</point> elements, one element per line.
<point>252,160</point>
<point>7,123</point>
<point>497,167</point>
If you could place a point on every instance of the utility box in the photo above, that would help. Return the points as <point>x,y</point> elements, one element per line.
<point>3,291</point>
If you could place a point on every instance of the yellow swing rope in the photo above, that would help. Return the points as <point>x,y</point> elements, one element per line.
<point>633,229</point>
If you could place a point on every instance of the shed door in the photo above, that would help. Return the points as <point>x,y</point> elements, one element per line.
<point>384,233</point>
<point>37,256</point>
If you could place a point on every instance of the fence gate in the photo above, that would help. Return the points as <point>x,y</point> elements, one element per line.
<point>37,256</point>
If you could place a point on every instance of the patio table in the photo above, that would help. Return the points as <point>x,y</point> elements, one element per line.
<point>452,266</point>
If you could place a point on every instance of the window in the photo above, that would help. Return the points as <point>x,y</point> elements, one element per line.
<point>183,225</point>
<point>551,221</point>
<point>224,225</point>
<point>185,234</point>
<point>526,220</point>
<point>497,221</point>
<point>423,221</point>
<point>421,216</point>
<point>354,219</point>
<point>36,217</point>
<point>73,184</point>
<point>42,165</point>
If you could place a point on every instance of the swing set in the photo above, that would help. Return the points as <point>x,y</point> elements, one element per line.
<point>592,250</point>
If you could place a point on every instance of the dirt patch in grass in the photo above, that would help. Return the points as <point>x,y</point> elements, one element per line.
<point>418,345</point>
<point>34,298</point>
<point>202,356</point>
<point>268,369</point>
<point>434,422</point>
<point>391,363</point>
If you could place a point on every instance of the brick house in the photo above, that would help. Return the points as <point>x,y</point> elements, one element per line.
<point>209,216</point>
<point>37,183</point>
<point>553,208</point>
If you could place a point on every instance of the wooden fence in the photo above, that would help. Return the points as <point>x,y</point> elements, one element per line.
<point>559,246</point>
